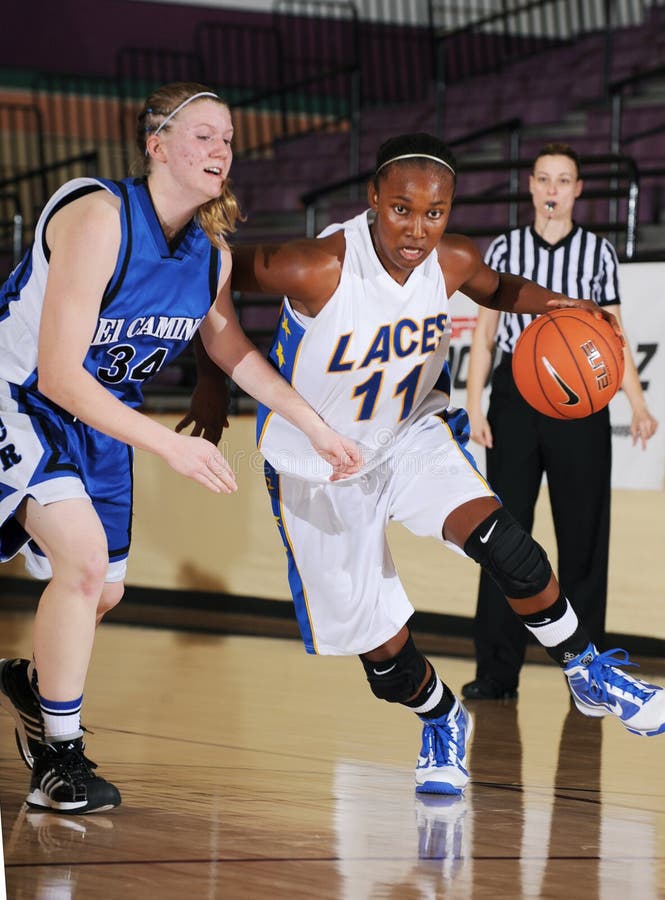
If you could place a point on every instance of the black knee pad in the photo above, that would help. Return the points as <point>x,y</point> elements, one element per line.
<point>509,555</point>
<point>397,679</point>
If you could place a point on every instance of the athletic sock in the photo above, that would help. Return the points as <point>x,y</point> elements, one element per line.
<point>434,700</point>
<point>62,719</point>
<point>558,629</point>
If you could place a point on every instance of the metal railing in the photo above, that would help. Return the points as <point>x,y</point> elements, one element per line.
<point>283,80</point>
<point>28,160</point>
<point>513,33</point>
<point>17,227</point>
<point>11,231</point>
<point>258,314</point>
<point>617,93</point>
<point>618,173</point>
<point>509,129</point>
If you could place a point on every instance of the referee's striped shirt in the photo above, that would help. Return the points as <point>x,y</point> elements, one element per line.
<point>582,266</point>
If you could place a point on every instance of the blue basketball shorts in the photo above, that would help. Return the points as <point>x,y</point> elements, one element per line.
<point>51,456</point>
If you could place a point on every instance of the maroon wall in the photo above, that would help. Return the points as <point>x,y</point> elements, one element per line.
<point>83,36</point>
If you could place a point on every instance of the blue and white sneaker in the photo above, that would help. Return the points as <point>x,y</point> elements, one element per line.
<point>441,767</point>
<point>599,687</point>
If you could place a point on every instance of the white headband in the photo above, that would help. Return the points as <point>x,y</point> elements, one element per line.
<point>416,156</point>
<point>182,105</point>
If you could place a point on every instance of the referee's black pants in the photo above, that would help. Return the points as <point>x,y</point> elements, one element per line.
<point>576,455</point>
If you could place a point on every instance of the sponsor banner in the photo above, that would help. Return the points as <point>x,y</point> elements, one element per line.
<point>643,314</point>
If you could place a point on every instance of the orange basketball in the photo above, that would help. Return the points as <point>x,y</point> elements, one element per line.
<point>568,364</point>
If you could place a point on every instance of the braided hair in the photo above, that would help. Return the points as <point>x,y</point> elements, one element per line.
<point>218,216</point>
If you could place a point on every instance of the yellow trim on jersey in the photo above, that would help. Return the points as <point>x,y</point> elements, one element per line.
<point>461,452</point>
<point>263,430</point>
<point>293,372</point>
<point>280,354</point>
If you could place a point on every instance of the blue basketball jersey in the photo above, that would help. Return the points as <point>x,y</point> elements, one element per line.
<point>152,306</point>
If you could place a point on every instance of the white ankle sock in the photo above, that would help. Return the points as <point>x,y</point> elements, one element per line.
<point>62,719</point>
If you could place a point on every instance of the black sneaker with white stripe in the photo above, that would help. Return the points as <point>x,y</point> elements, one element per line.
<point>63,781</point>
<point>20,701</point>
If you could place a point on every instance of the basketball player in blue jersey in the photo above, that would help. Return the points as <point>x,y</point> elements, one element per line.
<point>120,277</point>
<point>363,335</point>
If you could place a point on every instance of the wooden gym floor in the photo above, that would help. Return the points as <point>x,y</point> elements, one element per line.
<point>250,770</point>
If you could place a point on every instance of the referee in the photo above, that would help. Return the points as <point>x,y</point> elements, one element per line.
<point>522,444</point>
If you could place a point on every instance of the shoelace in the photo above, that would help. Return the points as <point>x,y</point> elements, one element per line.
<point>432,733</point>
<point>74,765</point>
<point>602,671</point>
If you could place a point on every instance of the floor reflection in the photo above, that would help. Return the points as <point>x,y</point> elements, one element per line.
<point>242,788</point>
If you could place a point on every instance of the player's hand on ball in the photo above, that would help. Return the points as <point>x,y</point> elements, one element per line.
<point>597,311</point>
<point>197,458</point>
<point>568,363</point>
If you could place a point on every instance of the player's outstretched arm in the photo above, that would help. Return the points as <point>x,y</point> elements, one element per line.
<point>307,271</point>
<point>465,270</point>
<point>229,347</point>
<point>84,238</point>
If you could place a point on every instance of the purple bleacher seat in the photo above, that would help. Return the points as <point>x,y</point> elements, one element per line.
<point>523,89</point>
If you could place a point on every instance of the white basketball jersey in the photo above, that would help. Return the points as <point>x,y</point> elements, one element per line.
<point>371,363</point>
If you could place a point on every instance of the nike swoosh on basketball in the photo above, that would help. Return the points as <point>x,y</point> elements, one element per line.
<point>385,671</point>
<point>572,398</point>
<point>484,538</point>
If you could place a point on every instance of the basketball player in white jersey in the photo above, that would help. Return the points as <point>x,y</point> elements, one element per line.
<point>118,280</point>
<point>363,336</point>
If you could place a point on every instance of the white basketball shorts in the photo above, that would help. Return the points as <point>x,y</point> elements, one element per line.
<point>347,594</point>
